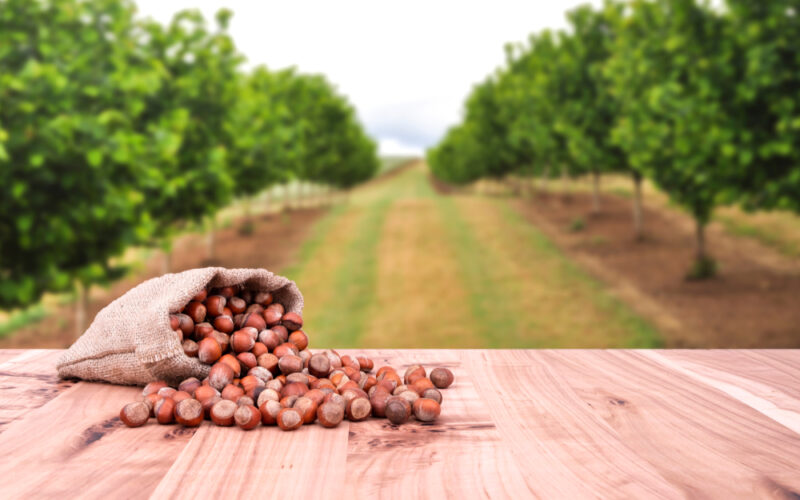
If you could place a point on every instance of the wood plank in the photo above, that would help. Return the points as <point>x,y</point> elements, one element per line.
<point>223,462</point>
<point>461,455</point>
<point>81,446</point>
<point>759,381</point>
<point>6,354</point>
<point>617,424</point>
<point>28,380</point>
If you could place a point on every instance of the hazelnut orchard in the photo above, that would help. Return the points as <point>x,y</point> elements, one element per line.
<point>262,373</point>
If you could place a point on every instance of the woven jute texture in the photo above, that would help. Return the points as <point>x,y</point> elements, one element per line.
<point>130,341</point>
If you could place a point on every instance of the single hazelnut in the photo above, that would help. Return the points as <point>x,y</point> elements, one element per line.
<point>270,339</point>
<point>289,419</point>
<point>205,392</point>
<point>263,298</point>
<point>222,412</point>
<point>398,410</point>
<point>292,321</point>
<point>135,414</point>
<point>247,359</point>
<point>191,348</point>
<point>285,349</point>
<point>268,395</point>
<point>232,392</point>
<point>215,305</point>
<point>233,362</point>
<point>237,305</point>
<point>196,311</point>
<point>209,350</point>
<point>409,396</point>
<point>282,332</point>
<point>203,330</point>
<point>298,377</point>
<point>259,349</point>
<point>261,373</point>
<point>164,411</point>
<point>272,315</point>
<point>245,401</point>
<point>219,376</point>
<point>420,385</point>
<point>442,378</point>
<point>378,401</point>
<point>330,414</point>
<point>166,392</point>
<point>358,409</point>
<point>290,364</point>
<point>307,408</point>
<point>189,412</point>
<point>426,410</point>
<point>254,320</point>
<point>299,338</point>
<point>247,417</point>
<point>224,324</point>
<point>269,412</point>
<point>365,363</point>
<point>294,389</point>
<point>201,296</point>
<point>241,342</point>
<point>319,365</point>
<point>186,324</point>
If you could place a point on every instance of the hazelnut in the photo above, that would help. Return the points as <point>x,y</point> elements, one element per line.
<point>196,311</point>
<point>285,349</point>
<point>224,324</point>
<point>398,410</point>
<point>227,291</point>
<point>299,338</point>
<point>185,324</point>
<point>245,401</point>
<point>319,365</point>
<point>263,298</point>
<point>442,378</point>
<point>237,305</point>
<point>242,342</point>
<point>259,349</point>
<point>378,401</point>
<point>219,376</point>
<point>215,305</point>
<point>261,373</point>
<point>189,385</point>
<point>164,411</point>
<point>270,339</point>
<point>201,296</point>
<point>205,392</point>
<point>289,419</point>
<point>369,382</point>
<point>233,362</point>
<point>330,414</point>
<point>298,377</point>
<point>209,403</point>
<point>269,361</point>
<point>420,385</point>
<point>209,350</point>
<point>189,412</point>
<point>269,412</point>
<point>426,410</point>
<point>166,392</point>
<point>293,389</point>
<point>247,417</point>
<point>268,395</point>
<point>282,332</point>
<point>174,322</point>
<point>247,359</point>
<point>232,392</point>
<point>288,401</point>
<point>272,315</point>
<point>358,409</point>
<point>135,414</point>
<point>254,320</point>
<point>203,330</point>
<point>409,396</point>
<point>431,393</point>
<point>222,412</point>
<point>307,408</point>
<point>365,363</point>
<point>290,364</point>
<point>292,321</point>
<point>191,348</point>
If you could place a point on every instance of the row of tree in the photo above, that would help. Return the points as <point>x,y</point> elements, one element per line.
<point>702,100</point>
<point>117,131</point>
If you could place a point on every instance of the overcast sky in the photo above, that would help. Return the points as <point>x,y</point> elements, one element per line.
<point>406,66</point>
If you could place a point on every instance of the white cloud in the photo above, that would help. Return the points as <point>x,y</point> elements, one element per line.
<point>406,67</point>
<point>392,146</point>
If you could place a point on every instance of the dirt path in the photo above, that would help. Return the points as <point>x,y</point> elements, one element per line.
<point>753,302</point>
<point>402,265</point>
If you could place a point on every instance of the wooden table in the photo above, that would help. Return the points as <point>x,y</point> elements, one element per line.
<point>516,424</point>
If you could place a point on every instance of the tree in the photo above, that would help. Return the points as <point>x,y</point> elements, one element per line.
<point>71,157</point>
<point>672,70</point>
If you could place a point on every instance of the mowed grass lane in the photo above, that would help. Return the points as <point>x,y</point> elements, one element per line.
<point>400,265</point>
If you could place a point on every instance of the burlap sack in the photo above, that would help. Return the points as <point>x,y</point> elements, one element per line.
<point>130,340</point>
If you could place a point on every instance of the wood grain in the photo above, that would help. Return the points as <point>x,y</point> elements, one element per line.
<point>516,424</point>
<point>27,381</point>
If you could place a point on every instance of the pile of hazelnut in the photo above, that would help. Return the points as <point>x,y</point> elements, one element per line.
<point>263,372</point>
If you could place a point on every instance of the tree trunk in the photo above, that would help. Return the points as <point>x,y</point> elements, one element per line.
<point>700,235</point>
<point>637,205</point>
<point>81,308</point>
<point>596,191</point>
